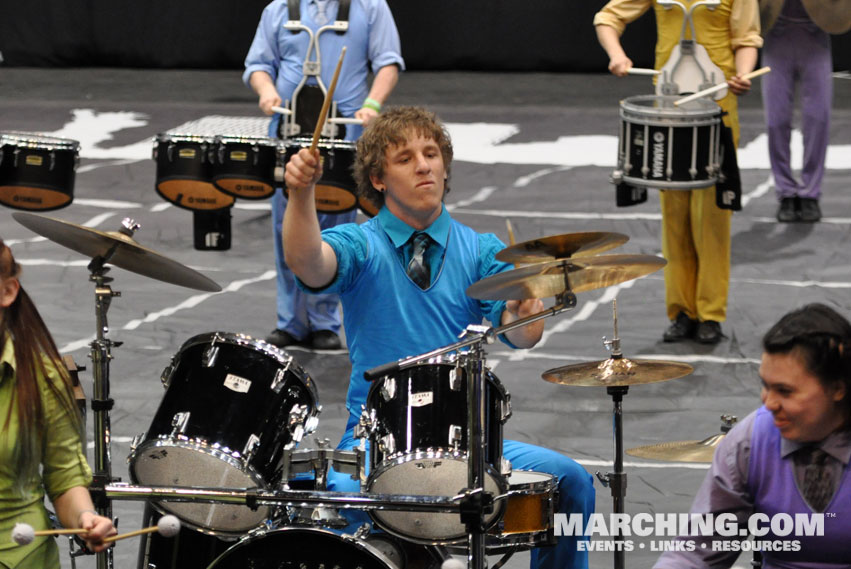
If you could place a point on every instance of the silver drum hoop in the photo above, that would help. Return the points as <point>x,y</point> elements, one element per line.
<point>37,140</point>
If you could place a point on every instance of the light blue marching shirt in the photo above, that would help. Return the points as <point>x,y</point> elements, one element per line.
<point>371,40</point>
<point>387,316</point>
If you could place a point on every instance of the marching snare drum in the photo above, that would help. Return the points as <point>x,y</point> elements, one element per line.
<point>244,166</point>
<point>232,405</point>
<point>184,171</point>
<point>37,171</point>
<point>668,147</point>
<point>418,444</point>
<point>336,191</point>
<point>302,548</point>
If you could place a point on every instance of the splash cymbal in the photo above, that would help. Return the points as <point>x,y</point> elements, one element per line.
<point>128,254</point>
<point>561,247</point>
<point>617,372</point>
<point>680,451</point>
<point>576,274</point>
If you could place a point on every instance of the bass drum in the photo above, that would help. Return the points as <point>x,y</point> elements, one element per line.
<point>232,405</point>
<point>302,548</point>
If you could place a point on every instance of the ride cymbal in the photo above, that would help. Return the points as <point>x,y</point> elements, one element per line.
<point>561,247</point>
<point>680,451</point>
<point>128,254</point>
<point>617,372</point>
<point>577,274</point>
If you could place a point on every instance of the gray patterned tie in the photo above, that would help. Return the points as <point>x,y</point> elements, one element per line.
<point>818,482</point>
<point>417,268</point>
<point>321,16</point>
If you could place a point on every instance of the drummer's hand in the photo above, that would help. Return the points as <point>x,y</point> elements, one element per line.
<point>738,85</point>
<point>99,527</point>
<point>303,170</point>
<point>620,65</point>
<point>269,99</point>
<point>523,308</point>
<point>365,115</point>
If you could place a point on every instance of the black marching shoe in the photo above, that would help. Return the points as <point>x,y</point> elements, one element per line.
<point>809,212</point>
<point>282,339</point>
<point>325,340</point>
<point>788,210</point>
<point>709,332</point>
<point>682,328</point>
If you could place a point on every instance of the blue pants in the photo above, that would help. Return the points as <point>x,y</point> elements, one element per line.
<point>797,53</point>
<point>576,494</point>
<point>300,313</point>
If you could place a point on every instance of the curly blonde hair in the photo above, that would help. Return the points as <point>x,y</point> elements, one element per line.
<point>393,128</point>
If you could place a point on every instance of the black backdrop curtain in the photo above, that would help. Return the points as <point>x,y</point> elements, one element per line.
<point>496,35</point>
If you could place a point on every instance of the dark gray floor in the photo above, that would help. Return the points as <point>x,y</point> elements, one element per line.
<point>520,156</point>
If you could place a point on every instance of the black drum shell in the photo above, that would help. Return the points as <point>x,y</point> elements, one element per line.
<point>244,167</point>
<point>184,172</point>
<point>336,191</point>
<point>35,174</point>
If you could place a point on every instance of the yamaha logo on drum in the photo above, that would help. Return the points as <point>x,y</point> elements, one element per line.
<point>658,154</point>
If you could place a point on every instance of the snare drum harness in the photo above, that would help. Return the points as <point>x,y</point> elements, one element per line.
<point>306,103</point>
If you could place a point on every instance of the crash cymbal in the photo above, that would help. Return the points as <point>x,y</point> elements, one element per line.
<point>128,253</point>
<point>680,451</point>
<point>561,247</point>
<point>617,372</point>
<point>543,280</point>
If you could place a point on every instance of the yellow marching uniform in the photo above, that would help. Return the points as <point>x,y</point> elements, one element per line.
<point>695,232</point>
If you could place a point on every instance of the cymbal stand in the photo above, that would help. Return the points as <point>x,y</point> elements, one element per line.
<point>616,480</point>
<point>475,502</point>
<point>101,402</point>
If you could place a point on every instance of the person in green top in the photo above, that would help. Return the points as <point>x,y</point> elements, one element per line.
<point>40,434</point>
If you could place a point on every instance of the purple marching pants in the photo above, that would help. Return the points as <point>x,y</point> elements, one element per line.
<point>797,51</point>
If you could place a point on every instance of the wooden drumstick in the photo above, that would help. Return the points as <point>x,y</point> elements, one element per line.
<point>168,526</point>
<point>642,71</point>
<point>320,122</point>
<point>510,231</point>
<point>719,86</point>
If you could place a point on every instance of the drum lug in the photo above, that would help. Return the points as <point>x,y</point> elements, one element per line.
<point>362,532</point>
<point>505,467</point>
<point>455,436</point>
<point>209,357</point>
<point>297,417</point>
<point>179,422</point>
<point>15,154</point>
<point>388,388</point>
<point>136,440</point>
<point>250,446</point>
<point>168,372</point>
<point>311,424</point>
<point>366,424</point>
<point>170,151</point>
<point>280,377</point>
<point>506,407</point>
<point>52,160</point>
<point>387,444</point>
<point>455,379</point>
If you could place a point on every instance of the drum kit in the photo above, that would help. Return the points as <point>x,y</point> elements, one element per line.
<point>220,453</point>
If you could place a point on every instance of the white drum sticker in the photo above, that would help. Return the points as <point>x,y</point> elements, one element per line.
<point>420,399</point>
<point>236,383</point>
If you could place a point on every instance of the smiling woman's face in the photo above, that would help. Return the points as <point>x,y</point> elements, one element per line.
<point>803,410</point>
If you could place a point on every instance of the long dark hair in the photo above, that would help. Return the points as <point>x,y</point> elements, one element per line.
<point>34,347</point>
<point>821,338</point>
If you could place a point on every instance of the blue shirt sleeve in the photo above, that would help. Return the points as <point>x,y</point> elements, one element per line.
<point>385,48</point>
<point>351,248</point>
<point>263,54</point>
